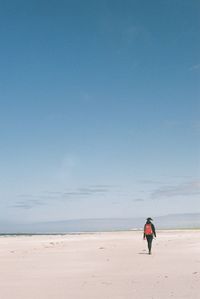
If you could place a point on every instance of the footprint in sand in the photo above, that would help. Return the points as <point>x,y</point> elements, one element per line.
<point>106,283</point>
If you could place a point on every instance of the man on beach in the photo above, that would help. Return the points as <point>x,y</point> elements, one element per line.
<point>149,233</point>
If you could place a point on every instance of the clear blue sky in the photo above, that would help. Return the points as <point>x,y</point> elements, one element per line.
<point>99,109</point>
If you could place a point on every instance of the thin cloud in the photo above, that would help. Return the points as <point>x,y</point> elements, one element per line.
<point>22,206</point>
<point>185,189</point>
<point>92,190</point>
<point>150,182</point>
<point>53,192</point>
<point>102,186</point>
<point>84,192</point>
<point>26,195</point>
<point>138,200</point>
<point>195,67</point>
<point>27,204</point>
<point>28,201</point>
<point>36,197</point>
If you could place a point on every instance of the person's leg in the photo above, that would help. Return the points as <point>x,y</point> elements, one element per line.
<point>150,244</point>
<point>149,241</point>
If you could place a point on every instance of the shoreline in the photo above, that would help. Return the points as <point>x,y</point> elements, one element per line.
<point>93,232</point>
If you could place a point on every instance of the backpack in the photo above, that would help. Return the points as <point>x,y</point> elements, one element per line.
<point>148,229</point>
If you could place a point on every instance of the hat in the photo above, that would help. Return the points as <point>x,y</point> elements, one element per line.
<point>149,219</point>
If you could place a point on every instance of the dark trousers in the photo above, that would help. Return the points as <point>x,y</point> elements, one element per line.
<point>149,241</point>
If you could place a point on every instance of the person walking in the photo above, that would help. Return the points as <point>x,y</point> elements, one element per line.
<point>149,233</point>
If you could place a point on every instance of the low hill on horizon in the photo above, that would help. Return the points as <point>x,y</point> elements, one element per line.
<point>171,221</point>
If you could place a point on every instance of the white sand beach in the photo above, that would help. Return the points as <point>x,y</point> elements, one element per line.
<point>111,265</point>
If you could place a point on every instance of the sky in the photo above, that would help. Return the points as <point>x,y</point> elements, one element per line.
<point>99,109</point>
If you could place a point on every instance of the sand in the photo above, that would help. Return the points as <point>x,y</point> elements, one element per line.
<point>101,266</point>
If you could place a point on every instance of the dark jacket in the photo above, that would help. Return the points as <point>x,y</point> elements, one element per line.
<point>153,228</point>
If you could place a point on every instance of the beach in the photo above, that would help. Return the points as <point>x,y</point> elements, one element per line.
<point>107,265</point>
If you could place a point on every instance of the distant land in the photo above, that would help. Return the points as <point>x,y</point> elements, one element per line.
<point>171,221</point>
